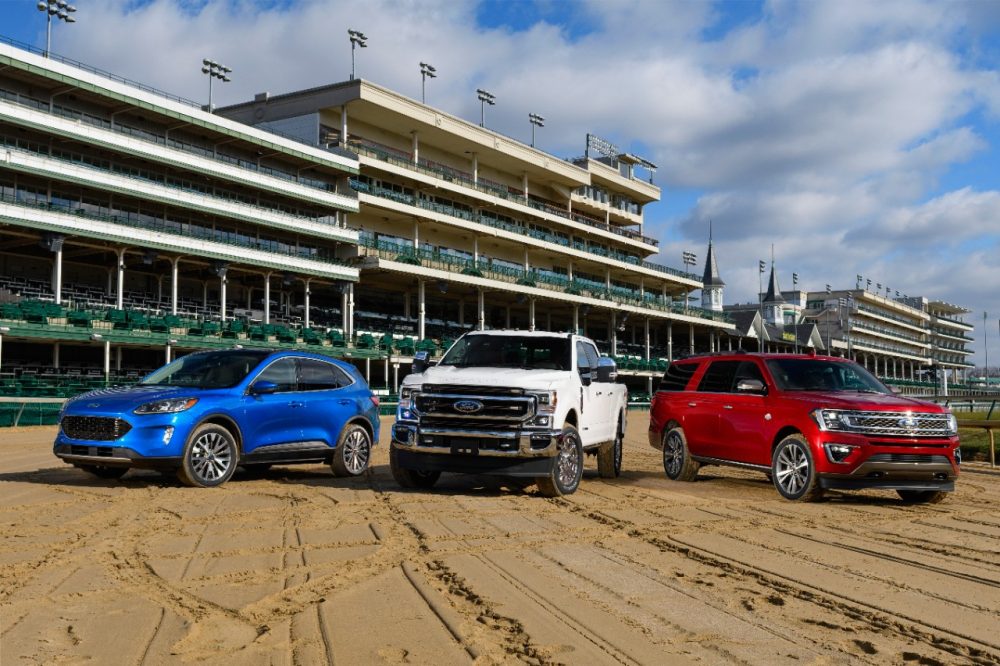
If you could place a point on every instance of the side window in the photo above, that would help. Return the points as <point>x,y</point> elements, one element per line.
<point>677,376</point>
<point>320,376</point>
<point>749,370</point>
<point>582,359</point>
<point>592,356</point>
<point>719,377</point>
<point>282,373</point>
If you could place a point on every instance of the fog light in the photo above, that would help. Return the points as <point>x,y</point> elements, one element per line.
<point>958,456</point>
<point>542,421</point>
<point>838,453</point>
<point>168,432</point>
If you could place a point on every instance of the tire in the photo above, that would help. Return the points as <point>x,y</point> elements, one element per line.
<point>793,471</point>
<point>677,462</point>
<point>922,496</point>
<point>353,452</point>
<point>210,457</point>
<point>609,456</point>
<point>567,467</point>
<point>410,478</point>
<point>104,472</point>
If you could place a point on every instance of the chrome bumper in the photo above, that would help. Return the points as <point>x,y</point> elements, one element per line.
<point>519,443</point>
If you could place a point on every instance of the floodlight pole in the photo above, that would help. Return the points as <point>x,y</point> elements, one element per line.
<point>61,10</point>
<point>425,72</point>
<point>357,39</point>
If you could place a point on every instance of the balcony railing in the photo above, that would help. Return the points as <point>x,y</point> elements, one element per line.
<point>881,313</point>
<point>181,231</point>
<point>485,267</point>
<point>887,331</point>
<point>452,211</point>
<point>152,137</point>
<point>386,154</point>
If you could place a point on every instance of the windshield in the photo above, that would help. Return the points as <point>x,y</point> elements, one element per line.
<point>800,374</point>
<point>510,351</point>
<point>209,370</point>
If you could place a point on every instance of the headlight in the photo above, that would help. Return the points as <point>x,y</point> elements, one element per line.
<point>546,401</point>
<point>406,396</point>
<point>952,424</point>
<point>831,419</point>
<point>166,406</point>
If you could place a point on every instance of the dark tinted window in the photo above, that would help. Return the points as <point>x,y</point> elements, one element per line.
<point>719,377</point>
<point>592,356</point>
<point>509,351</point>
<point>221,369</point>
<point>677,376</point>
<point>748,370</point>
<point>803,374</point>
<point>282,373</point>
<point>320,376</point>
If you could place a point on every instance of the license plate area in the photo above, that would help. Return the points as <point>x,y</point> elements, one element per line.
<point>471,446</point>
<point>464,446</point>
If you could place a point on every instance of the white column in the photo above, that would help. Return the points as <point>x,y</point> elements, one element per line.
<point>475,249</point>
<point>524,183</point>
<point>576,319</point>
<point>55,355</point>
<point>222,296</point>
<point>531,314</point>
<point>527,262</point>
<point>368,369</point>
<point>57,287</point>
<point>475,168</point>
<point>120,300</point>
<point>613,331</point>
<point>173,284</point>
<point>481,310</point>
<point>107,361</point>
<point>670,341</point>
<point>118,359</point>
<point>343,124</point>
<point>416,235</point>
<point>569,271</point>
<point>395,377</point>
<point>306,293</point>
<point>349,331</point>
<point>267,298</point>
<point>421,306</point>
<point>647,338</point>
<point>690,338</point>
<point>166,353</point>
<point>416,147</point>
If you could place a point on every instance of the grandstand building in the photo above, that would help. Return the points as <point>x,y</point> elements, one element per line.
<point>135,225</point>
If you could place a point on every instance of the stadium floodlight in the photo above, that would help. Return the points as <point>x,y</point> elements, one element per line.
<point>62,10</point>
<point>689,259</point>
<point>358,39</point>
<point>485,97</point>
<point>536,121</point>
<point>214,70</point>
<point>426,71</point>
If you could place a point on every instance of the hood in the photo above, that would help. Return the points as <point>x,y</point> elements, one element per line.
<point>863,401</point>
<point>514,377</point>
<point>127,398</point>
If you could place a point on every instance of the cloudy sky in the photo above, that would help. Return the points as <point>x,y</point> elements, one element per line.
<point>856,137</point>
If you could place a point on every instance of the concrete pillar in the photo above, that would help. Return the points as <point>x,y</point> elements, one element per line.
<point>507,320</point>
<point>55,355</point>
<point>670,341</point>
<point>421,308</point>
<point>548,319</point>
<point>416,147</point>
<point>349,323</point>
<point>267,298</point>
<point>222,296</point>
<point>527,262</point>
<point>204,294</point>
<point>249,298</point>
<point>613,333</point>
<point>475,249</point>
<point>646,330</point>
<point>416,235</point>
<point>406,305</point>
<point>306,293</point>
<point>690,338</point>
<point>368,369</point>
<point>576,319</point>
<point>475,168</point>
<point>343,124</point>
<point>57,282</point>
<point>531,314</point>
<point>569,271</point>
<point>524,183</point>
<point>167,353</point>
<point>481,310</point>
<point>395,377</point>
<point>107,362</point>
<point>173,284</point>
<point>120,299</point>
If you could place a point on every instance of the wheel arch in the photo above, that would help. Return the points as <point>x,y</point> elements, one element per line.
<point>226,422</point>
<point>571,419</point>
<point>364,423</point>
<point>782,434</point>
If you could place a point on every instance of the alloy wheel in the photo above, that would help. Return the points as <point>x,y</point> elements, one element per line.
<point>211,457</point>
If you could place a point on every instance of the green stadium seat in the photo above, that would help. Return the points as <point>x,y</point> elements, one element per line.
<point>407,346</point>
<point>233,329</point>
<point>365,341</point>
<point>118,319</point>
<point>311,337</point>
<point>336,339</point>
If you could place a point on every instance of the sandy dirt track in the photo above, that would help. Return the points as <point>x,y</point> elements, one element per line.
<point>297,567</point>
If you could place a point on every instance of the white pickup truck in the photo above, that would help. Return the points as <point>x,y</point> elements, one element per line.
<point>515,403</point>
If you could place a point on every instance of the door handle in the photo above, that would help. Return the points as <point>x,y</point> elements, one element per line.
<point>727,406</point>
<point>692,404</point>
<point>296,404</point>
<point>343,402</point>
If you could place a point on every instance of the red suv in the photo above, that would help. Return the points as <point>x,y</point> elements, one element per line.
<point>808,422</point>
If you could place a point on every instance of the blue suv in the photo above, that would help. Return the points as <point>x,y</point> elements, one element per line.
<point>209,412</point>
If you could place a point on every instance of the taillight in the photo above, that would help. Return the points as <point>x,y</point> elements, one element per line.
<point>374,399</point>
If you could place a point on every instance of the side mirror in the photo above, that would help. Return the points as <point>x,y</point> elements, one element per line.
<point>751,386</point>
<point>586,376</point>
<point>420,362</point>
<point>263,387</point>
<point>607,371</point>
<point>895,389</point>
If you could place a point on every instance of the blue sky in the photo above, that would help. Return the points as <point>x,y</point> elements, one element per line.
<point>858,137</point>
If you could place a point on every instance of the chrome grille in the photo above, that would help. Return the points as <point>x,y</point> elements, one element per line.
<point>94,428</point>
<point>898,424</point>
<point>908,458</point>
<point>495,408</point>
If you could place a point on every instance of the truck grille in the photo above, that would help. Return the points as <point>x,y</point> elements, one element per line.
<point>909,458</point>
<point>469,408</point>
<point>462,389</point>
<point>94,428</point>
<point>898,424</point>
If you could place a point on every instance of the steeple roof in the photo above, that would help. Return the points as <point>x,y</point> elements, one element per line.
<point>773,290</point>
<point>711,277</point>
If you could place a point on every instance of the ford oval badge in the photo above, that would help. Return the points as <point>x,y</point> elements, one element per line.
<point>907,422</point>
<point>468,406</point>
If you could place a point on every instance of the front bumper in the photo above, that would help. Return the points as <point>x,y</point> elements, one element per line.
<point>527,453</point>
<point>112,456</point>
<point>153,440</point>
<point>928,464</point>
